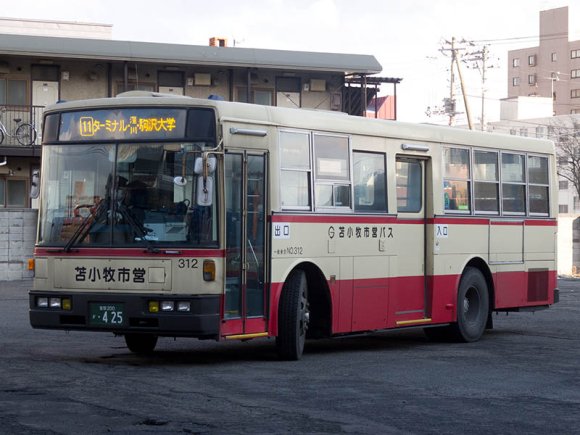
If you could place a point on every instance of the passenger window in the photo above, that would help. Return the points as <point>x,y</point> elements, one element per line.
<point>456,180</point>
<point>513,177</point>
<point>370,194</point>
<point>538,185</point>
<point>332,171</point>
<point>486,182</point>
<point>295,169</point>
<point>409,186</point>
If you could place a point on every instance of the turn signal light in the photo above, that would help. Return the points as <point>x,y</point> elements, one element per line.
<point>66,304</point>
<point>153,306</point>
<point>208,270</point>
<point>31,264</point>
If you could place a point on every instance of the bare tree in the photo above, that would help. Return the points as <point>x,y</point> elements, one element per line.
<point>567,141</point>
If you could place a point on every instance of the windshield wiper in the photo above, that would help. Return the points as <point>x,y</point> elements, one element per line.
<point>139,229</point>
<point>83,229</point>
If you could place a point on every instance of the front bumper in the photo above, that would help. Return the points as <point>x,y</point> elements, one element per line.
<point>202,321</point>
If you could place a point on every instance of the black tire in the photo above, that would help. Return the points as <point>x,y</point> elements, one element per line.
<point>472,311</point>
<point>1,136</point>
<point>25,134</point>
<point>293,317</point>
<point>141,344</point>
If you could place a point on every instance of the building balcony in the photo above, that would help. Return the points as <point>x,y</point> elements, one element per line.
<point>11,117</point>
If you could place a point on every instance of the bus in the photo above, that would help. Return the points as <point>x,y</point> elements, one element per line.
<point>165,216</point>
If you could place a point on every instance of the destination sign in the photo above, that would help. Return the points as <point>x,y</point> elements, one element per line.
<point>123,124</point>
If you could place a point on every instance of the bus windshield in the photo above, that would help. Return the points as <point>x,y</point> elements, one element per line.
<point>124,195</point>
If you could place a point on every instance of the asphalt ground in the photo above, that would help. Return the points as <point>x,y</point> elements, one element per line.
<point>523,377</point>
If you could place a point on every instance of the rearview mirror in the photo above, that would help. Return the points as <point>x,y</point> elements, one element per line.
<point>35,184</point>
<point>204,191</point>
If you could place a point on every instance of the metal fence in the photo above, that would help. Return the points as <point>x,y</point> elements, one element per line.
<point>12,116</point>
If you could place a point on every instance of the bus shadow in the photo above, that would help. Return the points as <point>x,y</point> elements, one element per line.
<point>260,350</point>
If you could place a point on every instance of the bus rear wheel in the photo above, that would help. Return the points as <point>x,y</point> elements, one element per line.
<point>293,317</point>
<point>141,344</point>
<point>472,310</point>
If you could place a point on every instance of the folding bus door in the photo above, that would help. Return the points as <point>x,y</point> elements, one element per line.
<point>245,274</point>
<point>407,294</point>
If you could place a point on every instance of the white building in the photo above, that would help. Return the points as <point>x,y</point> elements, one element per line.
<point>516,120</point>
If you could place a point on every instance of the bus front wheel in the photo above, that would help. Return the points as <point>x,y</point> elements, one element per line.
<point>293,317</point>
<point>141,344</point>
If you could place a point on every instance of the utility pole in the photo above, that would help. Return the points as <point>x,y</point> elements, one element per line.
<point>484,54</point>
<point>452,85</point>
<point>469,123</point>
<point>479,60</point>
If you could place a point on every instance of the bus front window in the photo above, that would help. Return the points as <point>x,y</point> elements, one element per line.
<point>125,195</point>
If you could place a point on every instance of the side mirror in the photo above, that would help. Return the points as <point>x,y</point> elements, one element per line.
<point>204,165</point>
<point>180,180</point>
<point>204,191</point>
<point>35,184</point>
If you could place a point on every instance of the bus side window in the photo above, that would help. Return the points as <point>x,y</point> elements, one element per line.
<point>409,187</point>
<point>369,182</point>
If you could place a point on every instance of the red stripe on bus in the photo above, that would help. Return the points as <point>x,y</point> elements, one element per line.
<point>379,303</point>
<point>342,219</point>
<point>352,219</point>
<point>128,252</point>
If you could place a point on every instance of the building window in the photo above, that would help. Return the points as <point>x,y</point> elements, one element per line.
<point>524,132</point>
<point>574,54</point>
<point>13,92</point>
<point>554,57</point>
<point>576,203</point>
<point>574,111</point>
<point>563,184</point>
<point>532,60</point>
<point>540,132</point>
<point>515,62</point>
<point>575,93</point>
<point>575,73</point>
<point>515,81</point>
<point>257,96</point>
<point>13,193</point>
<point>531,79</point>
<point>562,160</point>
<point>563,208</point>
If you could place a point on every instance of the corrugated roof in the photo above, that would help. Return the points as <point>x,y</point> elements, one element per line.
<point>110,50</point>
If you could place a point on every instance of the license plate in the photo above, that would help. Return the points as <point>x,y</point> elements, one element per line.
<point>106,314</point>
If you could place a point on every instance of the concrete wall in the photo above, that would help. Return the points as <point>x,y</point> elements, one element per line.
<point>17,237</point>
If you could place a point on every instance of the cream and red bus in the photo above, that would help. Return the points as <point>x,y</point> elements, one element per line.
<point>165,216</point>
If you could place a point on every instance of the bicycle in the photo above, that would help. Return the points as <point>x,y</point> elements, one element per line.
<point>25,133</point>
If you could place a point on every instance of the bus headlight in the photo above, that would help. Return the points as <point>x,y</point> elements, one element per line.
<point>167,306</point>
<point>42,302</point>
<point>54,302</point>
<point>183,306</point>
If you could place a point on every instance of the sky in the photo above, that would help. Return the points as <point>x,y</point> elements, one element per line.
<point>404,35</point>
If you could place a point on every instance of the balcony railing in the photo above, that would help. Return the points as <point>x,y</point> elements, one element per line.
<point>26,114</point>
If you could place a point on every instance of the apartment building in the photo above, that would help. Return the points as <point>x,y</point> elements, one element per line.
<point>551,69</point>
<point>42,62</point>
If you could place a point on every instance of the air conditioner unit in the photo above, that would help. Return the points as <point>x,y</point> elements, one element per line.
<point>202,79</point>
<point>317,85</point>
